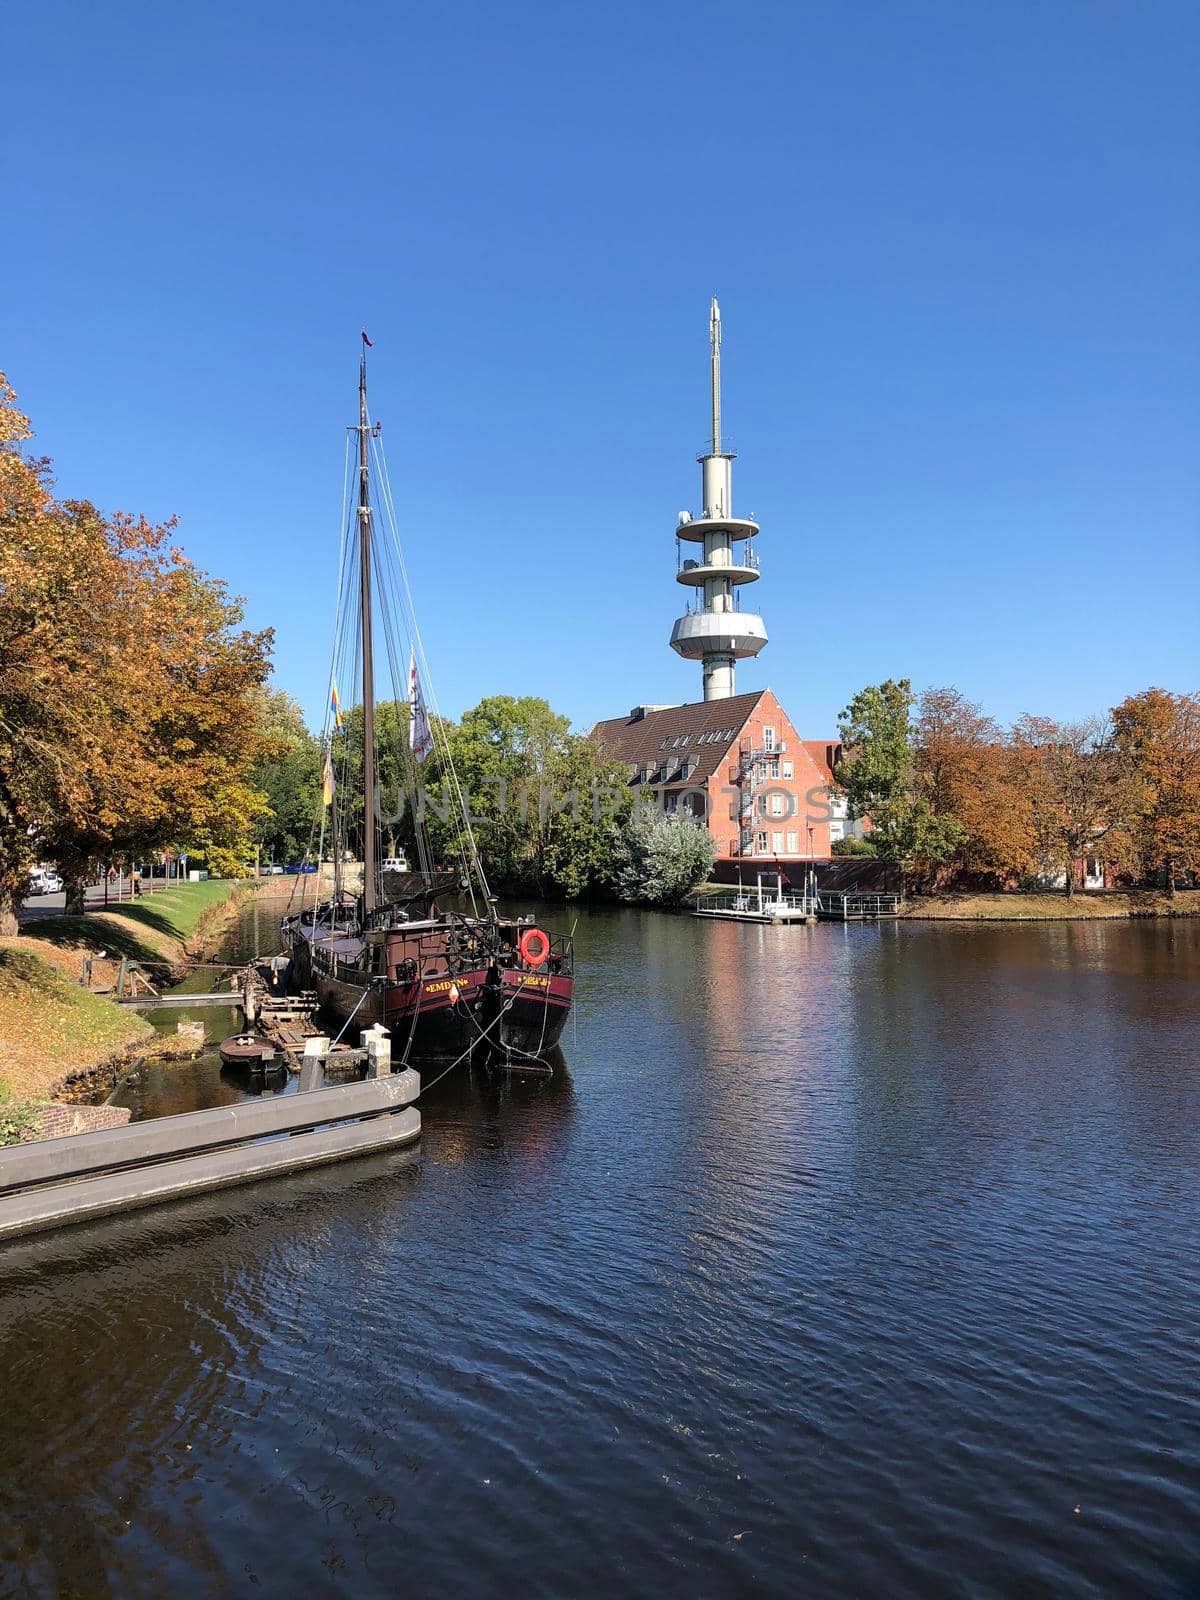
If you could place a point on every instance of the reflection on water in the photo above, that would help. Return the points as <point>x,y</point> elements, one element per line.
<point>833,1260</point>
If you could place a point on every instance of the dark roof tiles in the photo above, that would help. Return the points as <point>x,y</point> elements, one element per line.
<point>705,732</point>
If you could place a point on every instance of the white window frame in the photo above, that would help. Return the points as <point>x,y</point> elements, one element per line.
<point>760,844</point>
<point>788,771</point>
<point>793,844</point>
<point>768,738</point>
<point>778,808</point>
<point>777,844</point>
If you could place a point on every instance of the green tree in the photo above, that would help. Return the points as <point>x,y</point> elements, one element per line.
<point>878,774</point>
<point>391,768</point>
<point>658,860</point>
<point>289,776</point>
<point>541,798</point>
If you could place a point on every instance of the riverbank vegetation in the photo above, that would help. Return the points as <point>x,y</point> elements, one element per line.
<point>961,801</point>
<point>131,694</point>
<point>551,816</point>
<point>158,931</point>
<point>1052,907</point>
<point>51,1025</point>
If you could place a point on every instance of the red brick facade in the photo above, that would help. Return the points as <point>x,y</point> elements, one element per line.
<point>740,763</point>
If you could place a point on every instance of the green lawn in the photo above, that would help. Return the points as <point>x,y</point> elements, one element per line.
<point>152,929</point>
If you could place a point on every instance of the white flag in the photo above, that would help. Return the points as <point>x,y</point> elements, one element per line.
<point>420,735</point>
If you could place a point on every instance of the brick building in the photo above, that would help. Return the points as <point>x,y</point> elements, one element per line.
<point>736,762</point>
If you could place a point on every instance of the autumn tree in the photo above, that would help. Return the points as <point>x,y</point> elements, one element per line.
<point>1079,788</point>
<point>124,717</point>
<point>966,771</point>
<point>1157,737</point>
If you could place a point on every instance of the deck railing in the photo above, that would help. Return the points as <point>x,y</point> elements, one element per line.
<point>849,904</point>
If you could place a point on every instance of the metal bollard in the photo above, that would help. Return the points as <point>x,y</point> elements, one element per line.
<point>312,1067</point>
<point>376,1041</point>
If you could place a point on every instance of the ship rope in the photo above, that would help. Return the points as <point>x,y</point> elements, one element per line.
<point>396,551</point>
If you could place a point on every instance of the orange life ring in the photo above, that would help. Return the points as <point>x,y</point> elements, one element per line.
<point>534,938</point>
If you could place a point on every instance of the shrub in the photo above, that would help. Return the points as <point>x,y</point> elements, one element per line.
<point>852,847</point>
<point>659,860</point>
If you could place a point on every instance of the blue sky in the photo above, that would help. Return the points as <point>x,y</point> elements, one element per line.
<point>957,249</point>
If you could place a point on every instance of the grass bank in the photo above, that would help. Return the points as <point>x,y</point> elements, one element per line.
<point>49,1026</point>
<point>161,930</point>
<point>51,1029</point>
<point>1081,907</point>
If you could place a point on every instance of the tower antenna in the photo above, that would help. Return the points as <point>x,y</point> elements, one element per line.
<point>714,630</point>
<point>714,337</point>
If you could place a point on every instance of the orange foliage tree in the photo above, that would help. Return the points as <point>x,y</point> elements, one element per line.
<point>967,770</point>
<point>126,684</point>
<point>1081,792</point>
<point>1158,737</point>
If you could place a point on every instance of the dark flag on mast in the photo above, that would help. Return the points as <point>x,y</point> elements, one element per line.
<point>370,343</point>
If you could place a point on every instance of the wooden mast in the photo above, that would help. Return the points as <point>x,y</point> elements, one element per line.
<point>370,895</point>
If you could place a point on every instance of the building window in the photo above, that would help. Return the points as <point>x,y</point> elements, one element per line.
<point>664,744</point>
<point>773,767</point>
<point>777,843</point>
<point>787,769</point>
<point>761,844</point>
<point>672,804</point>
<point>762,805</point>
<point>778,809</point>
<point>793,844</point>
<point>768,738</point>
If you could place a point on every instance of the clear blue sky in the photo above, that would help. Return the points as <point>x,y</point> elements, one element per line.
<point>957,248</point>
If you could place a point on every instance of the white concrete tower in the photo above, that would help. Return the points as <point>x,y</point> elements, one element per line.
<point>714,630</point>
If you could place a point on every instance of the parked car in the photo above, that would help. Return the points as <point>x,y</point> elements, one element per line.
<point>43,880</point>
<point>394,864</point>
<point>305,866</point>
<point>273,870</point>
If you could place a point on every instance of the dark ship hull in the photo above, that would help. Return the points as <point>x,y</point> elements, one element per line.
<point>533,1010</point>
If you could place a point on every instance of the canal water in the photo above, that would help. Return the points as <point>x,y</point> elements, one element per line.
<point>836,1261</point>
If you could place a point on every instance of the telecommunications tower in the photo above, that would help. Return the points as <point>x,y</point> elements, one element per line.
<point>714,630</point>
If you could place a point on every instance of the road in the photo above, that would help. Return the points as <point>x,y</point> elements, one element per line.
<point>52,905</point>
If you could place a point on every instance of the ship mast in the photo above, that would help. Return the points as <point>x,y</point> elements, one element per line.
<point>370,898</point>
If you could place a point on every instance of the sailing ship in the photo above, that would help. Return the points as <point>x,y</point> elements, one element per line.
<point>445,981</point>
